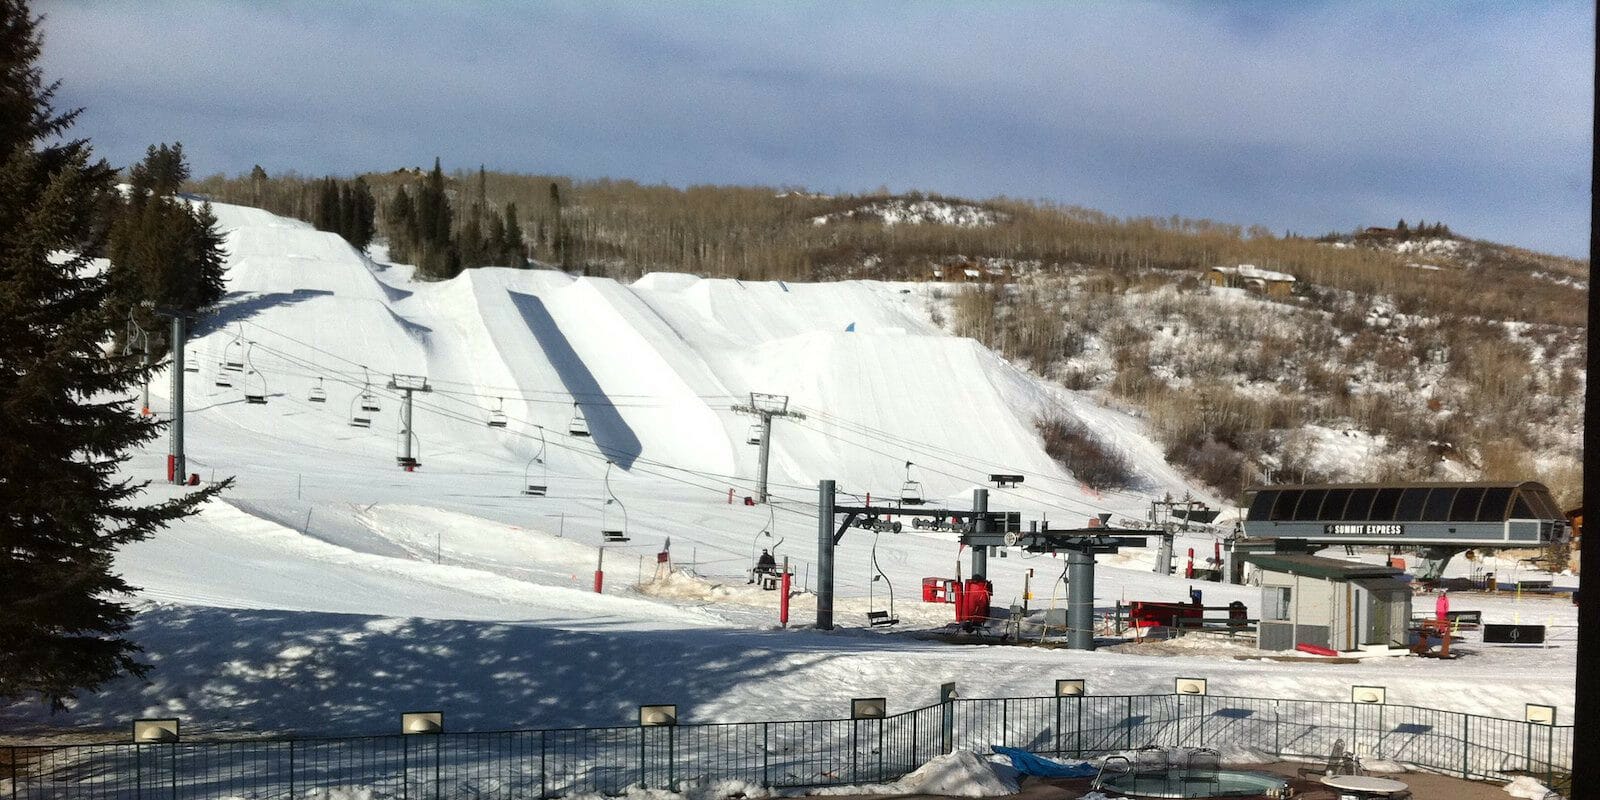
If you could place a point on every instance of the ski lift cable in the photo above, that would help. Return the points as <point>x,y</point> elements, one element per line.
<point>583,451</point>
<point>744,482</point>
<point>506,391</point>
<point>586,452</point>
<point>934,451</point>
<point>482,392</point>
<point>737,479</point>
<point>858,444</point>
<point>1022,493</point>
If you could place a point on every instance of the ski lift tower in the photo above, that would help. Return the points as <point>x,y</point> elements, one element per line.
<point>177,466</point>
<point>766,406</point>
<point>409,384</point>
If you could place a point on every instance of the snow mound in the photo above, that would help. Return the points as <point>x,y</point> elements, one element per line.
<point>1447,247</point>
<point>959,774</point>
<point>1249,757</point>
<point>918,212</point>
<point>1525,786</point>
<point>683,585</point>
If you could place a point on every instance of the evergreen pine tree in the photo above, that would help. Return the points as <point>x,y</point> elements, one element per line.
<point>558,233</point>
<point>362,209</point>
<point>437,256</point>
<point>258,180</point>
<point>401,222</point>
<point>164,250</point>
<point>494,241</point>
<point>64,510</point>
<point>511,242</point>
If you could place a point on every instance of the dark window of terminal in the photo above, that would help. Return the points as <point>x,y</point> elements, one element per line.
<point>1333,506</point>
<point>1542,503</point>
<point>1283,508</point>
<point>1495,500</point>
<point>1410,507</point>
<point>1520,509</point>
<point>1465,508</point>
<point>1360,505</point>
<point>1438,506</point>
<point>1310,504</point>
<point>1383,505</point>
<point>1261,506</point>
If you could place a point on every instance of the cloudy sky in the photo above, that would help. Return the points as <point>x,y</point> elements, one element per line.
<point>1300,116</point>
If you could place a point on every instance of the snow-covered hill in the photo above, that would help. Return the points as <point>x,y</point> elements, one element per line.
<point>329,587</point>
<point>902,211</point>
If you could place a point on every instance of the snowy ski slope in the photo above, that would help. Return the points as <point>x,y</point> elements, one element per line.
<point>328,573</point>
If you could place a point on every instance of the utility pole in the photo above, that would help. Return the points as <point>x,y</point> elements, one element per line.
<point>766,406</point>
<point>408,384</point>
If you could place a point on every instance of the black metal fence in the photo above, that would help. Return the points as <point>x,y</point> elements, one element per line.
<point>553,763</point>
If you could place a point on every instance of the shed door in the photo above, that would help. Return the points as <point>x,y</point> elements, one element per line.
<point>1379,611</point>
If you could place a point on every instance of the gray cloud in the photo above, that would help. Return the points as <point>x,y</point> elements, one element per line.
<point>1298,116</point>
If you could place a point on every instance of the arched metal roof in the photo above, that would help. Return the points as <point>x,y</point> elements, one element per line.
<point>1403,502</point>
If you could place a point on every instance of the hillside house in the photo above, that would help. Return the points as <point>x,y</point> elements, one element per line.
<point>968,272</point>
<point>1253,279</point>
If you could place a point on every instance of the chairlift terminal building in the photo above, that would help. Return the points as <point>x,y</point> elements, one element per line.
<point>1453,514</point>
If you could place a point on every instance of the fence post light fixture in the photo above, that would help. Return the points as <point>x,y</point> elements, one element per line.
<point>869,708</point>
<point>1368,695</point>
<point>1540,715</point>
<point>422,722</point>
<point>947,692</point>
<point>1069,687</point>
<point>1189,686</point>
<point>658,716</point>
<point>152,731</point>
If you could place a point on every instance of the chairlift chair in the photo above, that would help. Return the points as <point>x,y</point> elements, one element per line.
<point>531,488</point>
<point>360,417</point>
<point>367,400</point>
<point>414,460</point>
<point>317,393</point>
<point>255,388</point>
<point>222,381</point>
<point>497,417</point>
<point>233,360</point>
<point>766,575</point>
<point>579,426</point>
<point>910,491</point>
<point>754,437</point>
<point>190,363</point>
<point>879,617</point>
<point>608,533</point>
<point>255,384</point>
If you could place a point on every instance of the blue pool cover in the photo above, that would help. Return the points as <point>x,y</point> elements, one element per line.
<point>1029,764</point>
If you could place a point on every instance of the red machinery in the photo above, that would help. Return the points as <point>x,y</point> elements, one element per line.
<point>972,600</point>
<point>1149,614</point>
<point>939,590</point>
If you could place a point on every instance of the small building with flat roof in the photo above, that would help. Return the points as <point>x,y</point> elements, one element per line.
<point>1252,278</point>
<point>1341,605</point>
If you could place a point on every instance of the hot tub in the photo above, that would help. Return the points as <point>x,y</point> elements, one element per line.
<point>1195,783</point>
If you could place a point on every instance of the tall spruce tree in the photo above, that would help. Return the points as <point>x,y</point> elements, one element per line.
<point>512,239</point>
<point>164,250</point>
<point>68,422</point>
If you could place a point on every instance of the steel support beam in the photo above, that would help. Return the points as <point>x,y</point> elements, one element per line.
<point>825,555</point>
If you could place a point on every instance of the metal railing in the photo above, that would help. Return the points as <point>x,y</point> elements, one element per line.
<point>553,763</point>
